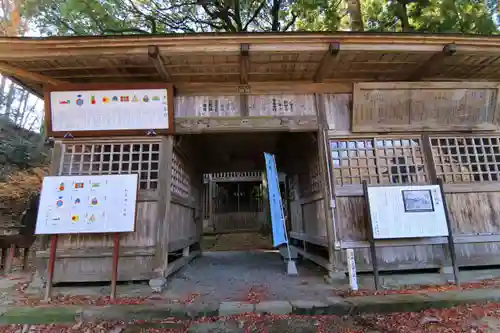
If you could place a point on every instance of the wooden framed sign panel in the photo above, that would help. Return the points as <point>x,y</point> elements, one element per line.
<point>87,204</point>
<point>412,211</point>
<point>83,110</point>
<point>404,212</point>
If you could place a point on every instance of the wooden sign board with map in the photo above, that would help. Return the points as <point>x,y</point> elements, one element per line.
<point>80,110</point>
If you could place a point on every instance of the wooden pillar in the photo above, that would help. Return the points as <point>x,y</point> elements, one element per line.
<point>55,170</point>
<point>327,190</point>
<point>164,202</point>
<point>211,190</point>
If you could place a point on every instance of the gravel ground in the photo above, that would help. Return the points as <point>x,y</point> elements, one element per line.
<point>243,276</point>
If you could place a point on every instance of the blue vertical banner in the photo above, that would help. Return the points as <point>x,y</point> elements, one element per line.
<point>275,204</point>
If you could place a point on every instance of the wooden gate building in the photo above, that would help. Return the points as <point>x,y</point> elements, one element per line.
<point>335,108</point>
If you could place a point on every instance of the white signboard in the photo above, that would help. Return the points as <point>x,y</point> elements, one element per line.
<point>407,211</point>
<point>99,110</point>
<point>87,204</point>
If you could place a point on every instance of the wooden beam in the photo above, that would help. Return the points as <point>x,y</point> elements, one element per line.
<point>431,64</point>
<point>244,63</point>
<point>329,59</point>
<point>303,87</point>
<point>154,55</point>
<point>19,73</point>
<point>35,89</point>
<point>244,69</point>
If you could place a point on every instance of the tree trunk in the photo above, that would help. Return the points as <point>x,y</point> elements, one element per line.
<point>354,10</point>
<point>402,15</point>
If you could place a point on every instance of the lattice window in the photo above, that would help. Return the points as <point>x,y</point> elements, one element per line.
<point>207,106</point>
<point>354,161</point>
<point>378,161</point>
<point>181,182</point>
<point>282,105</point>
<point>467,159</point>
<point>113,159</point>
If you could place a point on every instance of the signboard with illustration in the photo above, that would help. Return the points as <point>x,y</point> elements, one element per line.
<point>79,109</point>
<point>87,204</point>
<point>407,211</point>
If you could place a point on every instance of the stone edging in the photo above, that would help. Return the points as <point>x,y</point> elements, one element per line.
<point>330,306</point>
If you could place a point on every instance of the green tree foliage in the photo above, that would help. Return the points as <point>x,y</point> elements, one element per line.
<point>78,17</point>
<point>82,17</point>
<point>433,16</point>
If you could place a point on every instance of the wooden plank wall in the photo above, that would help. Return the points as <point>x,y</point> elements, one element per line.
<point>389,107</point>
<point>85,258</point>
<point>185,216</point>
<point>307,214</point>
<point>471,181</point>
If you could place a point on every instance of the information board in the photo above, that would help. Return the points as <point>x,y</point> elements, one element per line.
<point>87,204</point>
<point>407,211</point>
<point>99,110</point>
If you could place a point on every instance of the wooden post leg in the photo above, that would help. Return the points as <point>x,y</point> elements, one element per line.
<point>185,251</point>
<point>114,276</point>
<point>9,259</point>
<point>4,257</point>
<point>451,242</point>
<point>50,268</point>
<point>26,257</point>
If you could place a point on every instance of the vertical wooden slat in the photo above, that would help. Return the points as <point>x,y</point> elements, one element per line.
<point>164,202</point>
<point>120,163</point>
<point>376,154</point>
<point>326,185</point>
<point>429,158</point>
<point>91,161</point>
<point>244,105</point>
<point>56,166</point>
<point>496,110</point>
<point>56,159</point>
<point>211,191</point>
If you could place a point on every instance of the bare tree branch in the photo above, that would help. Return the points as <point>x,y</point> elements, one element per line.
<point>255,14</point>
<point>291,23</point>
<point>124,31</point>
<point>220,13</point>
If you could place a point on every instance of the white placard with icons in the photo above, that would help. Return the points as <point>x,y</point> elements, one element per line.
<point>87,204</point>
<point>104,110</point>
<point>407,211</point>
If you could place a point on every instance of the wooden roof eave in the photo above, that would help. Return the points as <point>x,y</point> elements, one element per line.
<point>259,38</point>
<point>19,48</point>
<point>433,48</point>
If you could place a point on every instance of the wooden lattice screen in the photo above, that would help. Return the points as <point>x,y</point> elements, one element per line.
<point>113,158</point>
<point>378,161</point>
<point>181,182</point>
<point>466,159</point>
